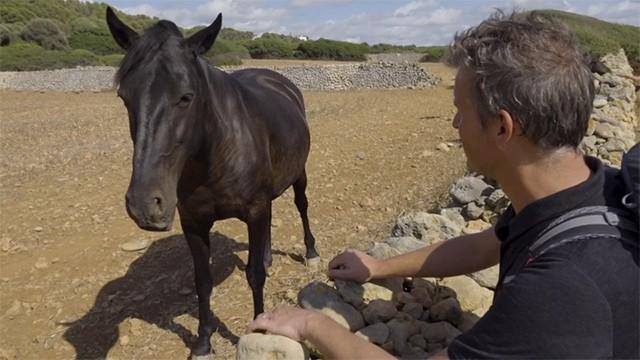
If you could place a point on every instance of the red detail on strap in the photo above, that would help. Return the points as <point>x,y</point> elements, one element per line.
<point>529,260</point>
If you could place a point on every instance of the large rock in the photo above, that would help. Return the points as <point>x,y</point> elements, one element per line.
<point>473,211</point>
<point>405,244</point>
<point>377,333</point>
<point>321,297</point>
<point>468,189</point>
<point>447,309</point>
<point>426,227</point>
<point>487,278</point>
<point>381,250</point>
<point>357,294</point>
<point>379,311</point>
<point>317,294</point>
<point>439,332</point>
<point>476,226</point>
<point>259,346</point>
<point>400,331</point>
<point>454,214</point>
<point>471,296</point>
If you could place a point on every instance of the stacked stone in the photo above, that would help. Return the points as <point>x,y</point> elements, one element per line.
<point>613,120</point>
<point>383,75</point>
<point>409,57</point>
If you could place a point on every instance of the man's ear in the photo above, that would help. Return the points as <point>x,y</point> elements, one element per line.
<point>122,34</point>
<point>202,41</point>
<point>506,127</point>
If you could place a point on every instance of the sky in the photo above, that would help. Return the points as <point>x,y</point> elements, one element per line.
<point>419,22</point>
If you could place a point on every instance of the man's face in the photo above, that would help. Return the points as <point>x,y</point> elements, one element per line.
<point>475,138</point>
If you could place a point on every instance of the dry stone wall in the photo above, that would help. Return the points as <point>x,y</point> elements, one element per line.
<point>380,75</point>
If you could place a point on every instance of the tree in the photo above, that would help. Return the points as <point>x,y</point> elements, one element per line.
<point>45,33</point>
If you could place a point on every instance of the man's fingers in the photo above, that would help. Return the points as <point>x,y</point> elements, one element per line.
<point>262,322</point>
<point>336,261</point>
<point>339,274</point>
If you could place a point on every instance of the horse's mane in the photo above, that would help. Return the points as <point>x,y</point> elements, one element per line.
<point>147,45</point>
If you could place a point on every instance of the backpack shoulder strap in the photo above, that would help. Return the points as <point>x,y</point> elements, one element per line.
<point>591,222</point>
<point>584,223</point>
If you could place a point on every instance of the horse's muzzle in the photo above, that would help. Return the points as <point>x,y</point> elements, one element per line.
<point>150,211</point>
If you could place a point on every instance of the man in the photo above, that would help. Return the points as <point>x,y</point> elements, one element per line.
<point>523,95</point>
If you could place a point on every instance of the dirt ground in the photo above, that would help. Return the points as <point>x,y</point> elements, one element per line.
<point>69,290</point>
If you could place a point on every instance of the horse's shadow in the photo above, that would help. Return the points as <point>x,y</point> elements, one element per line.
<point>157,288</point>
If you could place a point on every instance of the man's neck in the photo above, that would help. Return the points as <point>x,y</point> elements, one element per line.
<point>533,180</point>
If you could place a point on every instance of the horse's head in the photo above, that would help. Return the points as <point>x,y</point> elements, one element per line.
<point>163,87</point>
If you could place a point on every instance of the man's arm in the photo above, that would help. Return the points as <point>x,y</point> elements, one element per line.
<point>336,342</point>
<point>332,339</point>
<point>461,255</point>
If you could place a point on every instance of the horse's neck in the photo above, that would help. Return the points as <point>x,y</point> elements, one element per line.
<point>220,107</point>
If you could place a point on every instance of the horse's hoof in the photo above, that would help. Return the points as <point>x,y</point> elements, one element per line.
<point>314,263</point>
<point>202,357</point>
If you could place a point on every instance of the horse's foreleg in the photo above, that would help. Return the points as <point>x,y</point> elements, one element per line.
<point>198,240</point>
<point>299,188</point>
<point>259,224</point>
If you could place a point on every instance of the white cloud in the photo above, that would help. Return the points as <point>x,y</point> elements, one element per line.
<point>627,12</point>
<point>253,15</point>
<point>413,6</point>
<point>318,2</point>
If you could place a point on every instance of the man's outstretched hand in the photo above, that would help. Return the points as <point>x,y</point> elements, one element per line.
<point>353,265</point>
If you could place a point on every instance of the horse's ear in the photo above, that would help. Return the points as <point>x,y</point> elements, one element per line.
<point>202,41</point>
<point>122,34</point>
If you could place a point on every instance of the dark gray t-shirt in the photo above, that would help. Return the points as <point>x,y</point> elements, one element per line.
<point>579,300</point>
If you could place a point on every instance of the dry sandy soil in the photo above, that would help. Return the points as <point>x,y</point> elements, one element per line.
<point>68,289</point>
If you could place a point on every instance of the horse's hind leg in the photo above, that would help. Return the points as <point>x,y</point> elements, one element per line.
<point>259,224</point>
<point>299,188</point>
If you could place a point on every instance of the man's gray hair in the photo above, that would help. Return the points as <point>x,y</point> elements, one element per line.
<point>530,67</point>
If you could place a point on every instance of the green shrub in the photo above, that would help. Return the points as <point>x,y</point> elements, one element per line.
<point>30,57</point>
<point>6,36</point>
<point>10,13</point>
<point>331,49</point>
<point>97,40</point>
<point>389,48</point>
<point>228,59</point>
<point>83,24</point>
<point>433,53</point>
<point>270,48</point>
<point>222,46</point>
<point>235,35</point>
<point>111,60</point>
<point>45,33</point>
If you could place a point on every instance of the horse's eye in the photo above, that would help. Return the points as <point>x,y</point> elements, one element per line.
<point>185,99</point>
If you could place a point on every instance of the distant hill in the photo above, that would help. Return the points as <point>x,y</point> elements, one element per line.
<point>599,37</point>
<point>49,34</point>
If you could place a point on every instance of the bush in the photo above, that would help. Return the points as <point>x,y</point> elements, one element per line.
<point>228,59</point>
<point>6,36</point>
<point>29,57</point>
<point>235,35</point>
<point>433,54</point>
<point>331,49</point>
<point>45,33</point>
<point>270,48</point>
<point>98,40</point>
<point>13,14</point>
<point>111,60</point>
<point>222,46</point>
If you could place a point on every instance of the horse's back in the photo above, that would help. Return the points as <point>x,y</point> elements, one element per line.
<point>273,100</point>
<point>270,86</point>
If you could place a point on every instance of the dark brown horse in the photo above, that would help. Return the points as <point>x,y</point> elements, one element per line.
<point>215,145</point>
